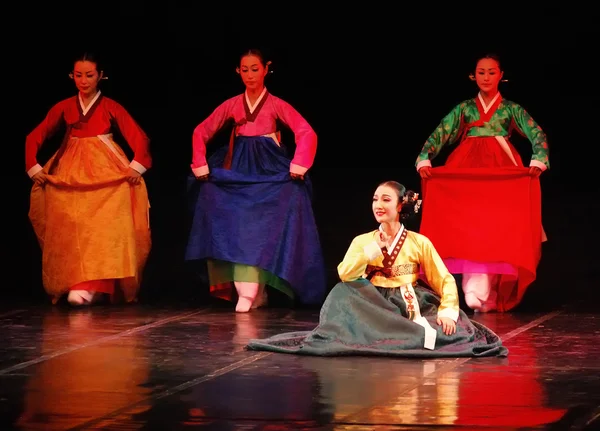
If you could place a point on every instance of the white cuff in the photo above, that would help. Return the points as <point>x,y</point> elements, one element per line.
<point>372,251</point>
<point>297,169</point>
<point>34,170</point>
<point>538,164</point>
<point>201,171</point>
<point>450,313</point>
<point>138,167</point>
<point>423,163</point>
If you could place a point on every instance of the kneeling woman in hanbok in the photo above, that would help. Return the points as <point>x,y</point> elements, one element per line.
<point>89,204</point>
<point>380,307</point>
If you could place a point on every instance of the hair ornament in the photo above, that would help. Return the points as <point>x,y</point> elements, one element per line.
<point>413,199</point>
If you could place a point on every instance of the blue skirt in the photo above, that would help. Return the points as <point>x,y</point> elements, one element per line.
<point>255,214</point>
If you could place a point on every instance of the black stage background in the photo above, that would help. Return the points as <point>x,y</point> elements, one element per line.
<point>373,89</point>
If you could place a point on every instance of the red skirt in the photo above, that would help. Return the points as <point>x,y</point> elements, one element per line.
<point>483,214</point>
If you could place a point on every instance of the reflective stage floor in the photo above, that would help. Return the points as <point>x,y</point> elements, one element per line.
<point>146,367</point>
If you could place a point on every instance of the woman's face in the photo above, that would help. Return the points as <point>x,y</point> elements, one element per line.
<point>488,75</point>
<point>385,205</point>
<point>252,72</point>
<point>86,77</point>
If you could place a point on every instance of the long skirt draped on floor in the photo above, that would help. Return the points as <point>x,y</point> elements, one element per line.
<point>359,318</point>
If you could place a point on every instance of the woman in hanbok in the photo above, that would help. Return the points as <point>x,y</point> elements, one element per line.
<point>89,204</point>
<point>253,222</point>
<point>483,207</point>
<point>382,305</point>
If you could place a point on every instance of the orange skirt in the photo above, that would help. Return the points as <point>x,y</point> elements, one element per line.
<point>90,222</point>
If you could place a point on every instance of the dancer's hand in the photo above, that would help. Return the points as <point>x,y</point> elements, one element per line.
<point>296,176</point>
<point>133,176</point>
<point>448,325</point>
<point>382,239</point>
<point>40,178</point>
<point>202,177</point>
<point>425,172</point>
<point>534,171</point>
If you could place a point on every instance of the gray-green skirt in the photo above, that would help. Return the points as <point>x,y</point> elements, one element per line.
<point>358,318</point>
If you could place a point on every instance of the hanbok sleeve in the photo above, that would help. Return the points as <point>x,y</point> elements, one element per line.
<point>304,135</point>
<point>447,132</point>
<point>358,256</point>
<point>532,131</point>
<point>135,137</point>
<point>36,138</point>
<point>204,132</point>
<point>440,280</point>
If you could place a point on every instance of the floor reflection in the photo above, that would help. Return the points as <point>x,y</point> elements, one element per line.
<point>514,394</point>
<point>386,391</point>
<point>69,389</point>
<point>264,390</point>
<point>437,392</point>
<point>88,367</point>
